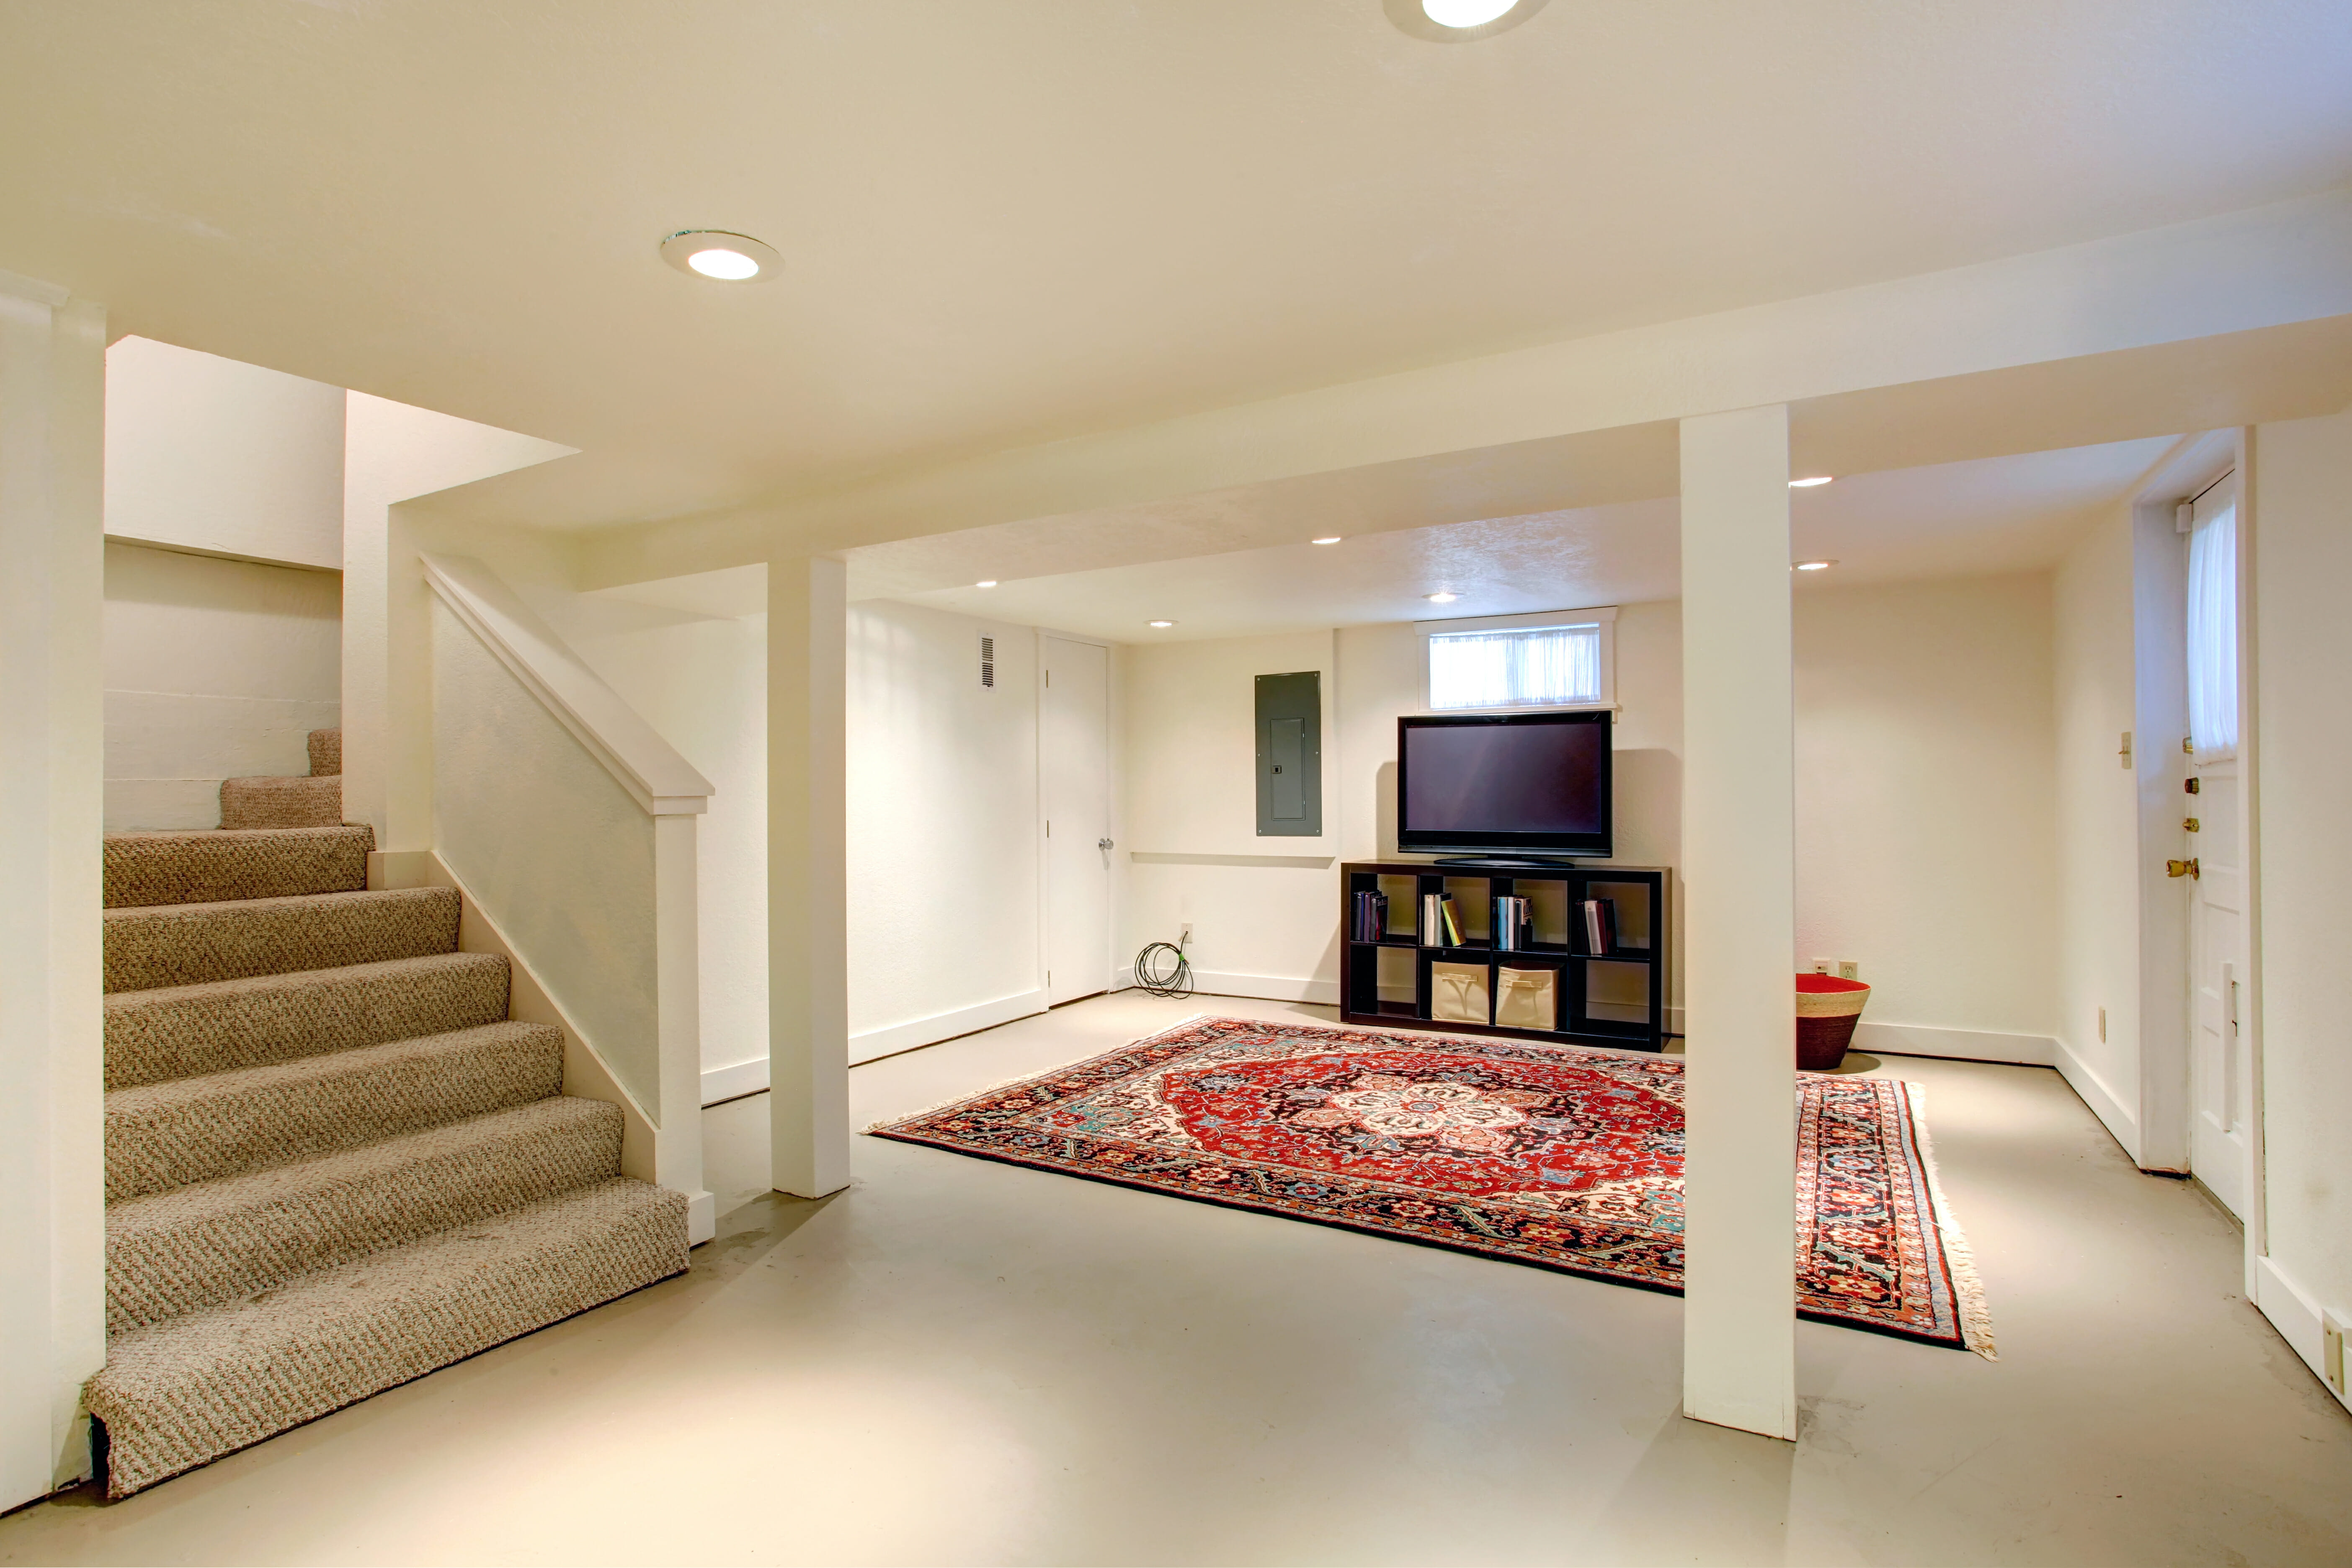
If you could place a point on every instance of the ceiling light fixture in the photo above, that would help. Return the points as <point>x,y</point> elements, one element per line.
<point>724,257</point>
<point>1163,624</point>
<point>1441,599</point>
<point>1808,484</point>
<point>1815,565</point>
<point>988,583</point>
<point>1333,539</point>
<point>1458,21</point>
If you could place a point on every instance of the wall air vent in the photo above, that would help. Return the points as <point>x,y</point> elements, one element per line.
<point>988,661</point>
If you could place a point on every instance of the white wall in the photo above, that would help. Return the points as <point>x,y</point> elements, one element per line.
<point>2097,799</point>
<point>1261,909</point>
<point>1926,825</point>
<point>210,453</point>
<point>2302,513</point>
<point>701,682</point>
<point>214,668</point>
<point>943,827</point>
<point>1924,735</point>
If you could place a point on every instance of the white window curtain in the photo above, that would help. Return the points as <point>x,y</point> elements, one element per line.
<point>1537,667</point>
<point>2213,635</point>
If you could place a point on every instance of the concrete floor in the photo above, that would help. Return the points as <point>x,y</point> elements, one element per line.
<point>959,1362</point>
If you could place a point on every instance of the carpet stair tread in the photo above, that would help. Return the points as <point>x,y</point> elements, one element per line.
<point>180,1393</point>
<point>165,1135</point>
<point>196,1246</point>
<point>294,801</point>
<point>192,1031</point>
<point>215,865</point>
<point>189,944</point>
<point>326,748</point>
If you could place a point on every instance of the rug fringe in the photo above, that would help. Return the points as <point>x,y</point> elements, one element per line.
<point>1976,1317</point>
<point>1002,1084</point>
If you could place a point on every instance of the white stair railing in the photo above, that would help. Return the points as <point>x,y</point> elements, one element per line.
<point>568,825</point>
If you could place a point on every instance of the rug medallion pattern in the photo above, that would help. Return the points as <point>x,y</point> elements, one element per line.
<point>1562,1157</point>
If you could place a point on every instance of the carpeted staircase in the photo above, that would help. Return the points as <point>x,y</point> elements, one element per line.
<point>332,1162</point>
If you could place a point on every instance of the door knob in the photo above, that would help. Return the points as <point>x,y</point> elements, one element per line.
<point>1102,843</point>
<point>2182,868</point>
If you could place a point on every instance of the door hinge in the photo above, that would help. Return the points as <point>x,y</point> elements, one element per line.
<point>2190,825</point>
<point>2183,868</point>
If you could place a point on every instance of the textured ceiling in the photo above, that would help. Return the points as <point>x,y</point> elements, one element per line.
<point>1013,221</point>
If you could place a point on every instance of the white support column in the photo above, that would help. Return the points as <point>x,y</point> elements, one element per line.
<point>808,951</point>
<point>678,1147</point>
<point>52,764</point>
<point>1740,916</point>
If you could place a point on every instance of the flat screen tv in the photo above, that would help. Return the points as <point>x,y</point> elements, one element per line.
<point>1505,784</point>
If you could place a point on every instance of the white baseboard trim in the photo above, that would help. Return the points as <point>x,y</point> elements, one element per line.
<point>1266,987</point>
<point>2296,1316</point>
<point>896,1038</point>
<point>2104,1103</point>
<point>734,1083</point>
<point>1962,1045</point>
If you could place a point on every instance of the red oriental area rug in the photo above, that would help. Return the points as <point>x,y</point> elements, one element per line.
<point>1561,1157</point>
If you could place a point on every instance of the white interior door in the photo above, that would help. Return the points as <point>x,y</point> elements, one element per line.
<point>1074,766</point>
<point>2220,1064</point>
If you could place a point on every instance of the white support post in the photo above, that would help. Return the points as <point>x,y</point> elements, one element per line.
<point>677,980</point>
<point>1739,937</point>
<point>52,764</point>
<point>808,951</point>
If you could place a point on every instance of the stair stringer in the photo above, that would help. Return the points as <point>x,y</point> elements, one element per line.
<point>675,1163</point>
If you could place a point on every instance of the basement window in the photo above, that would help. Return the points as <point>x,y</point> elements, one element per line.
<point>1561,658</point>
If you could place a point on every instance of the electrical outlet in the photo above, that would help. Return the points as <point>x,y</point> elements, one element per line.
<point>1824,965</point>
<point>1849,968</point>
<point>2331,1340</point>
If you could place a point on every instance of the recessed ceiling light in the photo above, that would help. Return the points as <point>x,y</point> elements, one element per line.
<point>1441,599</point>
<point>1333,539</point>
<point>1163,622</point>
<point>1458,21</point>
<point>1464,13</point>
<point>1808,484</point>
<point>988,583</point>
<point>1815,565</point>
<point>725,257</point>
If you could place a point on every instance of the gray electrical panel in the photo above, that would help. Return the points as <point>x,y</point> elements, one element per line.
<point>1290,756</point>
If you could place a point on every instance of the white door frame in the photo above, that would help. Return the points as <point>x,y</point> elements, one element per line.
<point>1115,780</point>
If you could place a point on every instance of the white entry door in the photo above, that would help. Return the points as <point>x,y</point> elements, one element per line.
<point>2221,1061</point>
<point>2220,1076</point>
<point>1074,766</point>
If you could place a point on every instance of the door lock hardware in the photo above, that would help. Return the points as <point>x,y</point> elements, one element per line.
<point>2182,868</point>
<point>1102,843</point>
<point>2190,825</point>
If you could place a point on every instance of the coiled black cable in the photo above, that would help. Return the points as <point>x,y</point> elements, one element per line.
<point>1162,970</point>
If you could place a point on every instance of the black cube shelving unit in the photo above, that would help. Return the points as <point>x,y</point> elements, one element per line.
<point>1615,998</point>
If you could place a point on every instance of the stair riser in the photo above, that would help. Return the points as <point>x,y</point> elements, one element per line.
<point>191,944</point>
<point>282,802</point>
<point>326,753</point>
<point>147,869</point>
<point>185,1250</point>
<point>168,1135</point>
<point>178,1394</point>
<point>153,1036</point>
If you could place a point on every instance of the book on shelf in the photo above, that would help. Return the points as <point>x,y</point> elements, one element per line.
<point>1513,924</point>
<point>1600,916</point>
<point>1452,920</point>
<point>1371,917</point>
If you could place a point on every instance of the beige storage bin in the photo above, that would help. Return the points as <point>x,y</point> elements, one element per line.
<point>1527,998</point>
<point>1457,992</point>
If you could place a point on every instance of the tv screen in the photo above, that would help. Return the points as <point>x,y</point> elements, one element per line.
<point>1525,783</point>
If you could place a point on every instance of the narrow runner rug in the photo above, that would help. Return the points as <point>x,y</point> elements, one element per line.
<point>1558,1156</point>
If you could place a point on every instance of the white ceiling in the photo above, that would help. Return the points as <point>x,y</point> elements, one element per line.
<point>1013,221</point>
<point>1991,515</point>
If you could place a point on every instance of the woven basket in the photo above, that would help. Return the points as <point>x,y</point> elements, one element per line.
<point>1827,1010</point>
